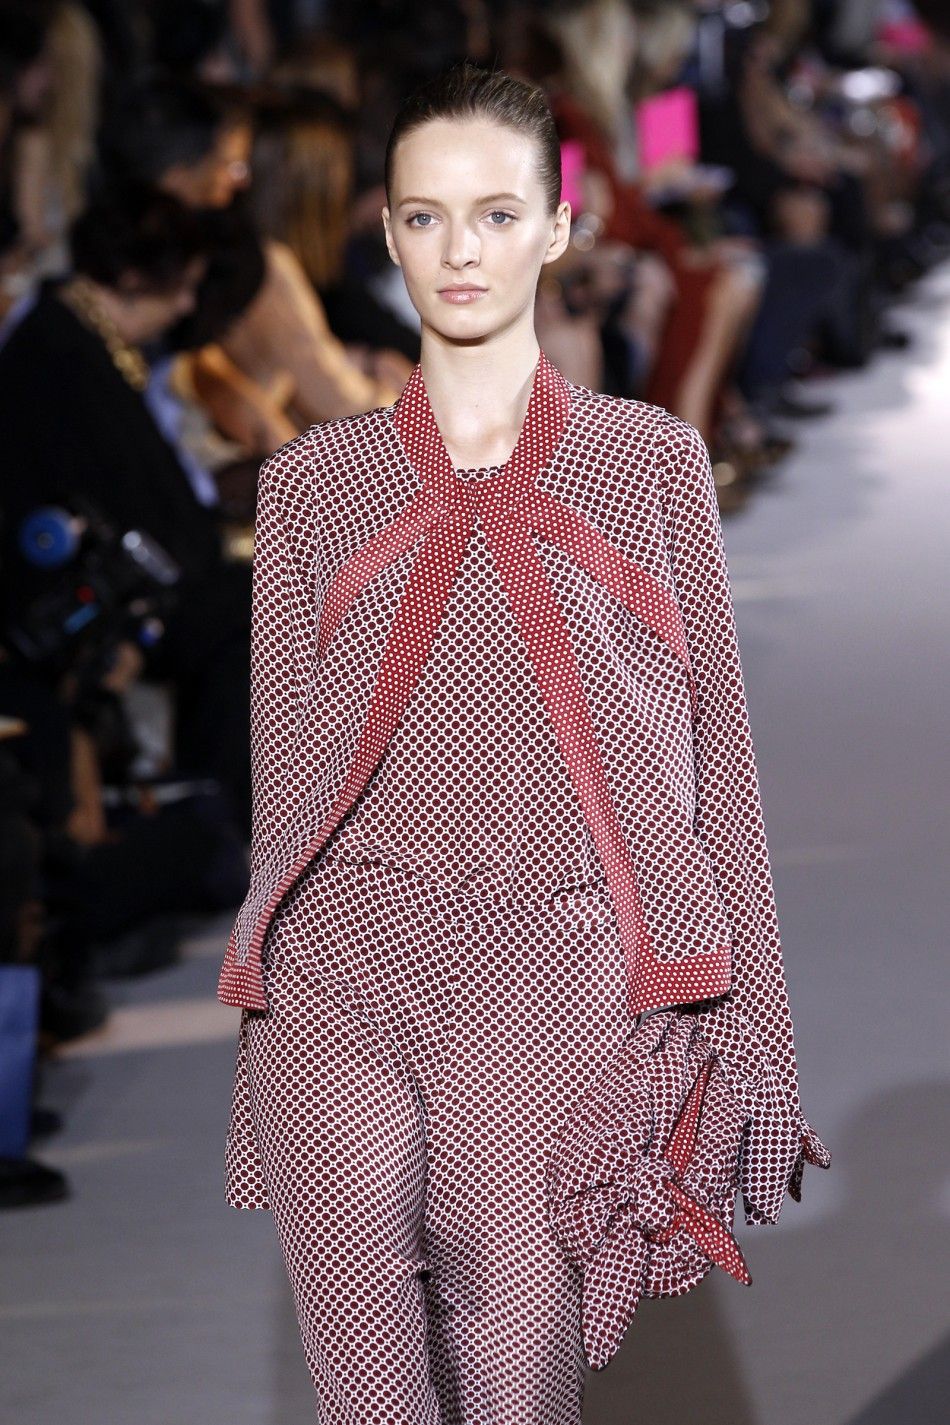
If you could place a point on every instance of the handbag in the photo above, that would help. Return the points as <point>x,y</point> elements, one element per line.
<point>642,1179</point>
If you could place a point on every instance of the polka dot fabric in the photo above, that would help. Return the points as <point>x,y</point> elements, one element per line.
<point>514,684</point>
<point>398,1103</point>
<point>642,1180</point>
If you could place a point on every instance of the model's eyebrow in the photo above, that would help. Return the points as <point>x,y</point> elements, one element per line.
<point>488,198</point>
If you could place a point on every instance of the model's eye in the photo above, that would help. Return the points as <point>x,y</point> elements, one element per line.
<point>498,214</point>
<point>411,220</point>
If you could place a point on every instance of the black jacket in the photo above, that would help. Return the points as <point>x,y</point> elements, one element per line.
<point>70,424</point>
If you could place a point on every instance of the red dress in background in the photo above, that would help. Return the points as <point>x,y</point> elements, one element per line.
<point>635,222</point>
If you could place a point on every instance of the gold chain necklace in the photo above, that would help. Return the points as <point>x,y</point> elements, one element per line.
<point>127,359</point>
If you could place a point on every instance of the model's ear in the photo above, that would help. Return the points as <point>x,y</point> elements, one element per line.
<point>387,229</point>
<point>560,233</point>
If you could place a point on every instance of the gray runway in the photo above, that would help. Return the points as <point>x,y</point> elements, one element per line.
<point>145,1300</point>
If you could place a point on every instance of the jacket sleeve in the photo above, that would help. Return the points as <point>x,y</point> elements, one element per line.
<point>729,819</point>
<point>284,622</point>
<point>283,643</point>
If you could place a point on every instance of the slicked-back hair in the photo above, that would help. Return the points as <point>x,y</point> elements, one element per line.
<point>470,91</point>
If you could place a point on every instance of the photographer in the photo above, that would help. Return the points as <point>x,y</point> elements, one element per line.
<point>76,425</point>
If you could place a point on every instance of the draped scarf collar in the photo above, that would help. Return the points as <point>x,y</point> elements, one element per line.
<point>513,511</point>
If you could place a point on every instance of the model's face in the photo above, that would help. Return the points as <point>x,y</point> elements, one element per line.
<point>469,226</point>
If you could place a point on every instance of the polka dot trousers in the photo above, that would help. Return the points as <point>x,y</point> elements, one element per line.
<point>394,1106</point>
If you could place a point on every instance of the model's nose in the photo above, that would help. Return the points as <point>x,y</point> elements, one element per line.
<point>462,246</point>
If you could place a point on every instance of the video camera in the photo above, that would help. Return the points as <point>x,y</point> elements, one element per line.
<point>107,586</point>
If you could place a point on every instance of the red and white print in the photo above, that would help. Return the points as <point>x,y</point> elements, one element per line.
<point>493,689</point>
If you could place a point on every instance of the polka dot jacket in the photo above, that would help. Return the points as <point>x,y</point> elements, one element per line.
<point>522,679</point>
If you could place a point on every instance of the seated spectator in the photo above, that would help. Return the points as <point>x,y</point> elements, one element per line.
<point>196,145</point>
<point>25,76</point>
<point>586,67</point>
<point>56,149</point>
<point>302,196</point>
<point>800,182</point>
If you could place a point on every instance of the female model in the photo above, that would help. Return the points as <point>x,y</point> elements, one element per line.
<point>505,802</point>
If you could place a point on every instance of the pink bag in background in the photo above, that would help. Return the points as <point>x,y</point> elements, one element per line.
<point>572,171</point>
<point>667,128</point>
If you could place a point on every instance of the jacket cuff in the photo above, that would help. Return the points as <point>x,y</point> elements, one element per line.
<point>811,1150</point>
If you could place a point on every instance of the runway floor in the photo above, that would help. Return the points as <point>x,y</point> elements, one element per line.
<point>145,1300</point>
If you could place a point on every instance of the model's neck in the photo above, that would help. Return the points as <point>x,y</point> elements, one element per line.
<point>479,394</point>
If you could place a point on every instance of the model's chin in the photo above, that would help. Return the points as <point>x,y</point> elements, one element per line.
<point>476,322</point>
<point>460,324</point>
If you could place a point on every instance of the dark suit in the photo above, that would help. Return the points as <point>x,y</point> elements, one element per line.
<point>71,425</point>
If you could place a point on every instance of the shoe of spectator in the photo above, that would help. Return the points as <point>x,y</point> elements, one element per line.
<point>26,1183</point>
<point>44,1122</point>
<point>774,447</point>
<point>790,402</point>
<point>155,945</point>
<point>732,491</point>
<point>893,339</point>
<point>66,1012</point>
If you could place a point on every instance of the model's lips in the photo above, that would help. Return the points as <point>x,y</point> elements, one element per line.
<point>462,294</point>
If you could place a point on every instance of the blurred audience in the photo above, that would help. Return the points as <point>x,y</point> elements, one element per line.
<point>193,271</point>
<point>713,287</point>
<point>146,596</point>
